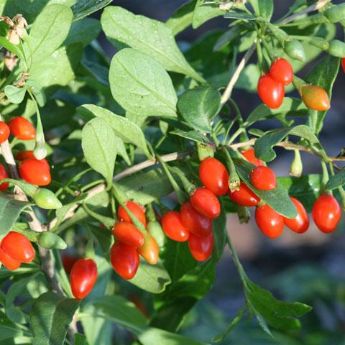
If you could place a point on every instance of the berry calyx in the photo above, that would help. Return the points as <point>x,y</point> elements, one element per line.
<point>263,178</point>
<point>18,247</point>
<point>214,176</point>
<point>269,221</point>
<point>3,174</point>
<point>205,202</point>
<point>21,128</point>
<point>35,171</point>
<point>127,233</point>
<point>137,210</point>
<point>270,91</point>
<point>195,222</point>
<point>4,131</point>
<point>281,71</point>
<point>326,213</point>
<point>249,155</point>
<point>125,260</point>
<point>244,196</point>
<point>300,223</point>
<point>173,227</point>
<point>83,277</point>
<point>201,247</point>
<point>315,97</point>
<point>149,250</point>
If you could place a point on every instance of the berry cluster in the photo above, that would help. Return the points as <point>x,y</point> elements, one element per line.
<point>15,249</point>
<point>271,88</point>
<point>132,242</point>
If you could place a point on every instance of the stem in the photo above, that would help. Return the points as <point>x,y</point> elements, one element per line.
<point>228,90</point>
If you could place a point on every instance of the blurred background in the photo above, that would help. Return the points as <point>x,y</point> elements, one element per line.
<point>308,268</point>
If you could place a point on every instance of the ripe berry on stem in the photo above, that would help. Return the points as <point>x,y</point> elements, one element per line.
<point>83,277</point>
<point>270,91</point>
<point>35,171</point>
<point>4,132</point>
<point>137,210</point>
<point>315,97</point>
<point>127,233</point>
<point>201,247</point>
<point>173,227</point>
<point>281,71</point>
<point>18,247</point>
<point>263,178</point>
<point>249,155</point>
<point>214,176</point>
<point>205,202</point>
<point>149,250</point>
<point>244,196</point>
<point>3,174</point>
<point>326,213</point>
<point>21,128</point>
<point>300,223</point>
<point>269,221</point>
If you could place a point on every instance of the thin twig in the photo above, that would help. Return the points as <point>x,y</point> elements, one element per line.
<point>228,90</point>
<point>315,7</point>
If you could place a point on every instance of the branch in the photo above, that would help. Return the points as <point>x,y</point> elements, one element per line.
<point>228,90</point>
<point>318,5</point>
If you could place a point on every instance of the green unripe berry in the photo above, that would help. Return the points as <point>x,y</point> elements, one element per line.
<point>336,48</point>
<point>46,199</point>
<point>295,50</point>
<point>49,240</point>
<point>335,13</point>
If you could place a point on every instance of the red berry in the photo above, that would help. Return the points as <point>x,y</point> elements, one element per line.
<point>194,221</point>
<point>83,277</point>
<point>173,227</point>
<point>35,171</point>
<point>281,71</point>
<point>22,155</point>
<point>18,247</point>
<point>4,132</point>
<point>343,63</point>
<point>201,247</point>
<point>214,176</point>
<point>263,178</point>
<point>137,210</point>
<point>300,223</point>
<point>3,174</point>
<point>249,155</point>
<point>149,250</point>
<point>270,91</point>
<point>125,260</point>
<point>315,97</point>
<point>22,129</point>
<point>269,221</point>
<point>127,233</point>
<point>326,213</point>
<point>10,263</point>
<point>244,196</point>
<point>205,202</point>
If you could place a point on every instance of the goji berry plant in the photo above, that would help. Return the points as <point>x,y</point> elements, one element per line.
<point>117,172</point>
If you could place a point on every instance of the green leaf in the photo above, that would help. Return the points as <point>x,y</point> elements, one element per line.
<point>263,8</point>
<point>10,210</point>
<point>290,106</point>
<point>323,75</point>
<point>8,329</point>
<point>263,146</point>
<point>15,94</point>
<point>151,278</point>
<point>149,36</point>
<point>191,135</point>
<point>278,314</point>
<point>337,180</point>
<point>125,129</point>
<point>80,339</point>
<point>182,18</point>
<point>99,147</point>
<point>50,317</point>
<point>198,106</point>
<point>277,198</point>
<point>4,42</point>
<point>83,8</point>
<point>83,31</point>
<point>48,32</point>
<point>204,12</point>
<point>141,85</point>
<point>145,186</point>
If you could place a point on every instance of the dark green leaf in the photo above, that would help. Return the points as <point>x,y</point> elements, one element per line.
<point>204,12</point>
<point>83,31</point>
<point>198,106</point>
<point>277,198</point>
<point>149,36</point>
<point>151,90</point>
<point>263,8</point>
<point>191,135</point>
<point>80,339</point>
<point>8,329</point>
<point>182,18</point>
<point>338,180</point>
<point>10,210</point>
<point>83,8</point>
<point>50,317</point>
